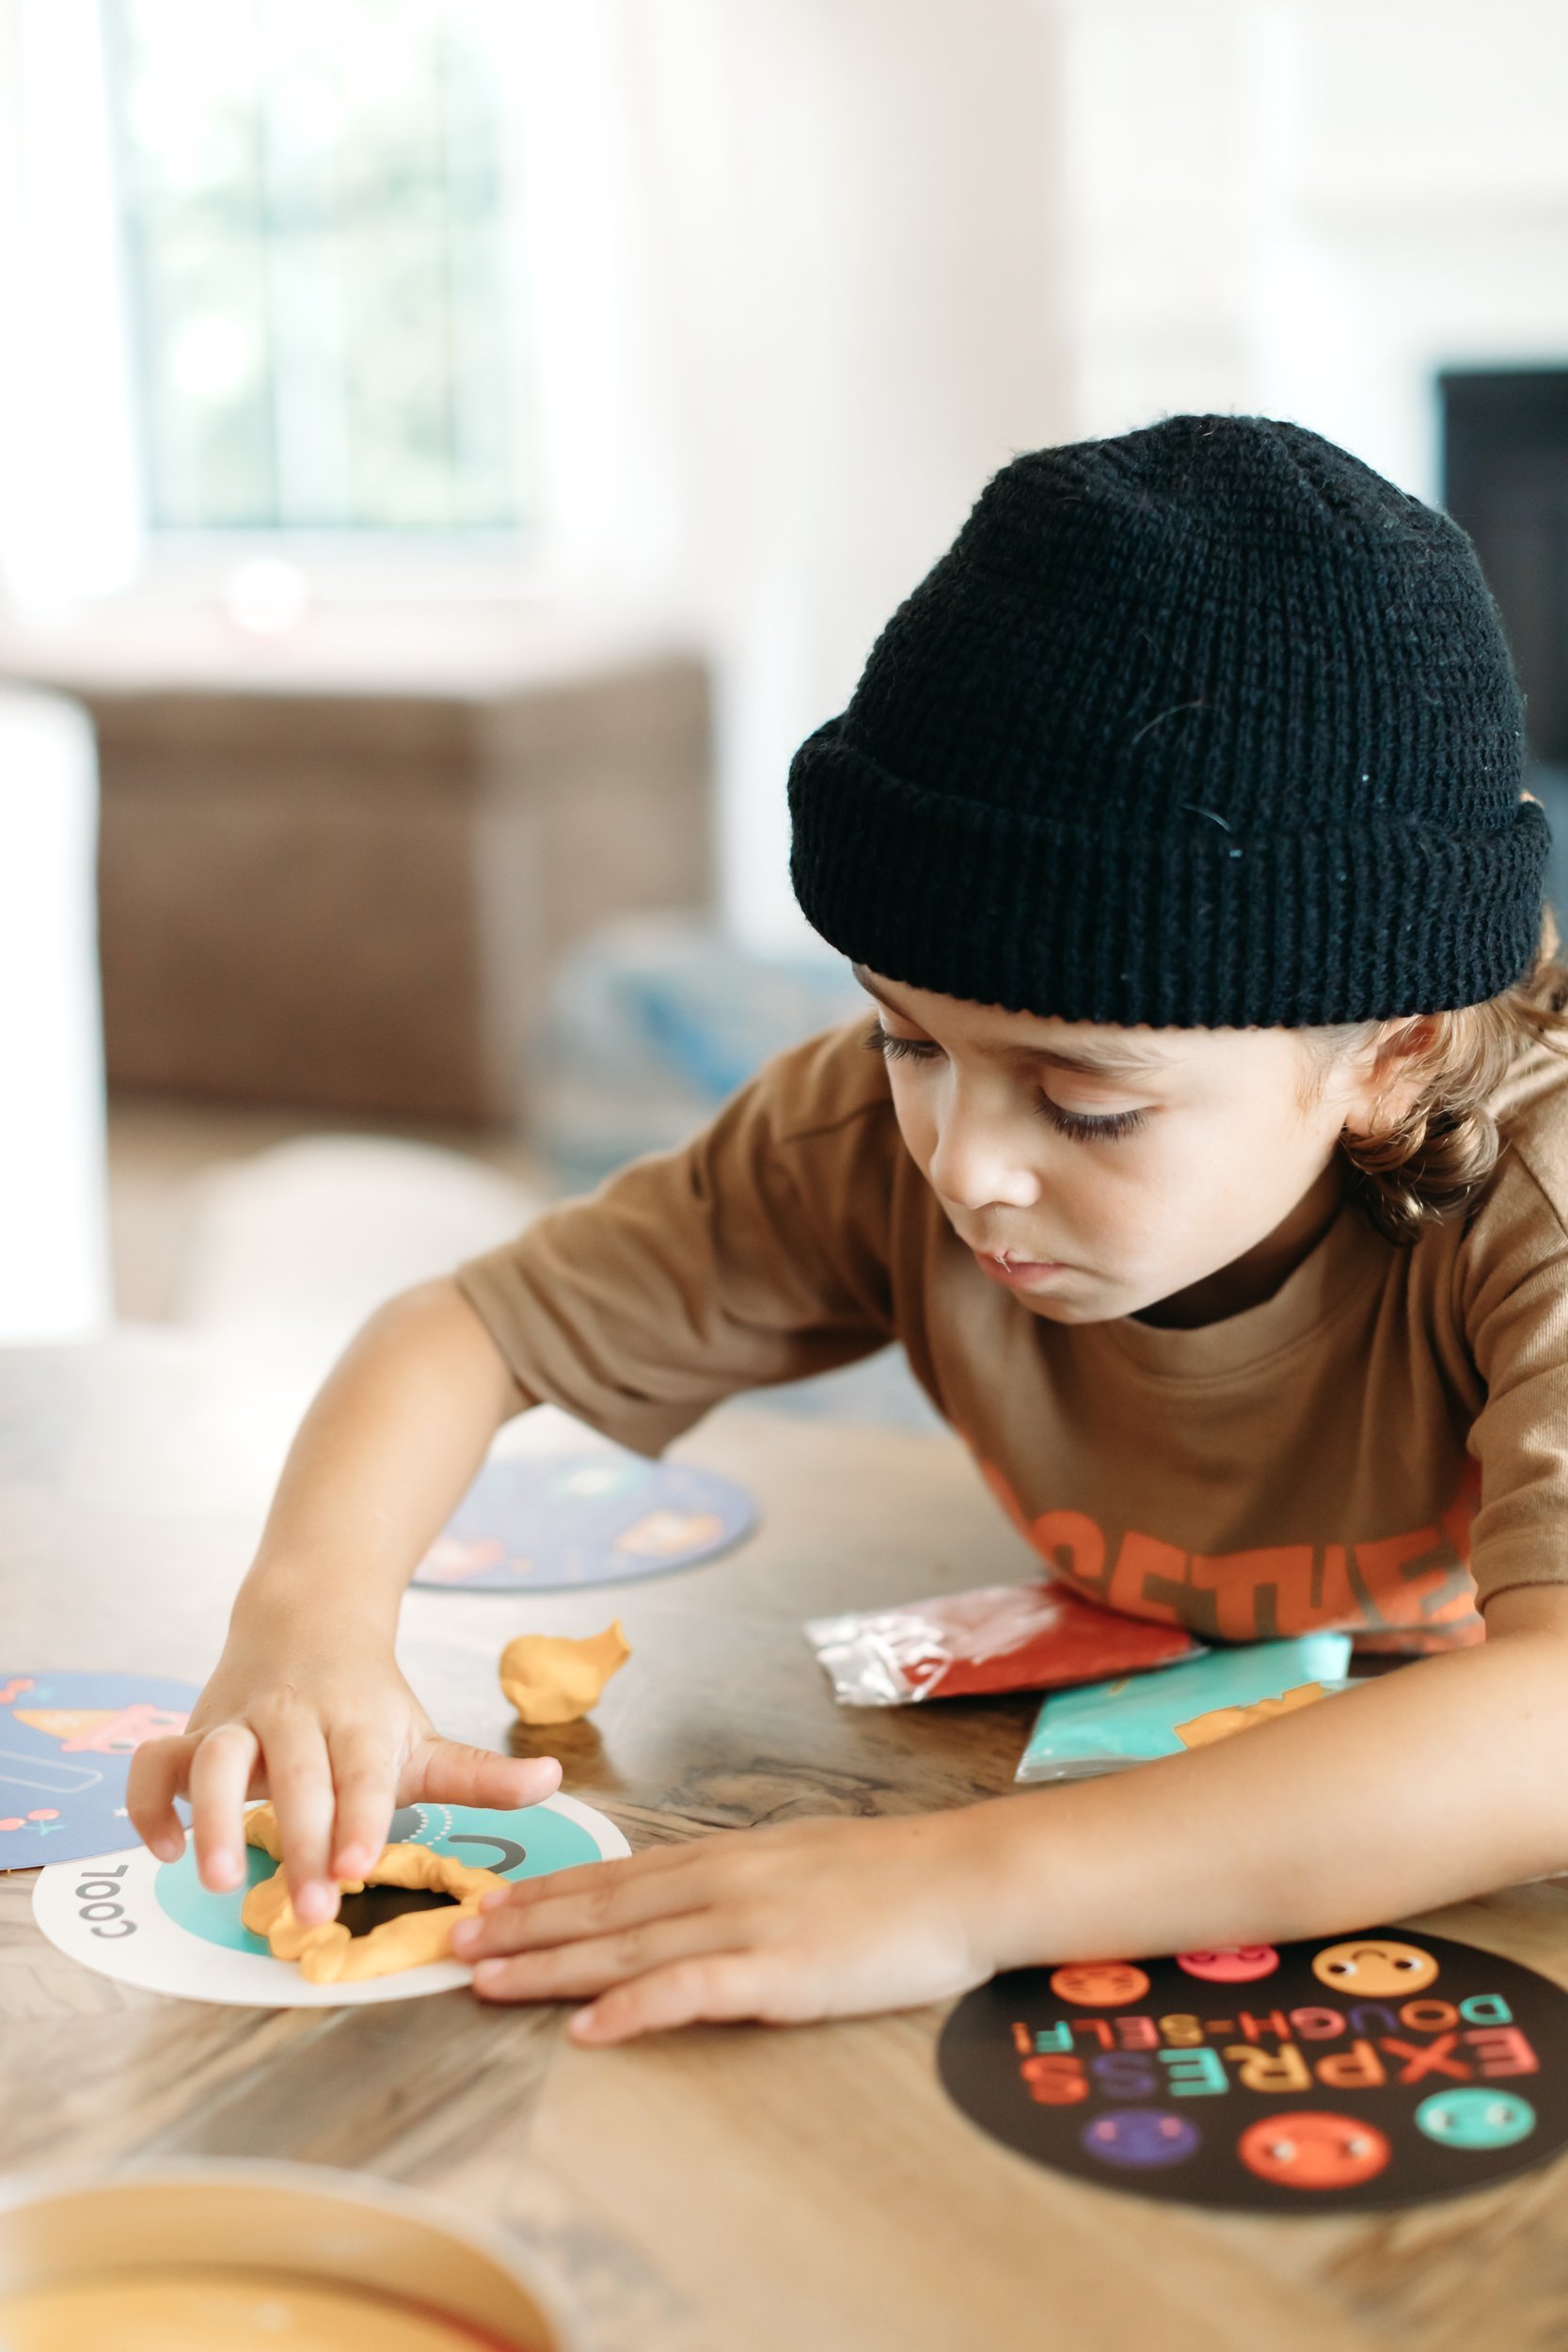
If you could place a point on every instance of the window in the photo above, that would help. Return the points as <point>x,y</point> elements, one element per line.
<point>320,262</point>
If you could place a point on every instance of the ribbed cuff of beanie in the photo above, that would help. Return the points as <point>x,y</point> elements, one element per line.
<point>1186,926</point>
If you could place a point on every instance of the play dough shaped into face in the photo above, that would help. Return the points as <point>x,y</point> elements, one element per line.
<point>1475,2119</point>
<point>1306,2151</point>
<point>1373,1970</point>
<point>553,1679</point>
<point>329,1954</point>
<point>1240,1963</point>
<point>1140,2137</point>
<point>1100,1983</point>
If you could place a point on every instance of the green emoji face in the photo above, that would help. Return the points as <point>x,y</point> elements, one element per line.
<point>1475,2119</point>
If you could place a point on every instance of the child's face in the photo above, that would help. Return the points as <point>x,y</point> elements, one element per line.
<point>1097,1170</point>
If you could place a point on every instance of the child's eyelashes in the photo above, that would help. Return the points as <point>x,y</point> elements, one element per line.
<point>1078,1126</point>
<point>881,1041</point>
<point>1105,1127</point>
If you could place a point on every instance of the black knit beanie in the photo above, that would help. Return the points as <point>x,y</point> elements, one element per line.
<point>1206,726</point>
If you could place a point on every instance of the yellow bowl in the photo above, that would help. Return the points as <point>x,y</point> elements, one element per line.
<point>302,2225</point>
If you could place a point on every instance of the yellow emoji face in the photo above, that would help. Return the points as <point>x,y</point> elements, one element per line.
<point>1373,1968</point>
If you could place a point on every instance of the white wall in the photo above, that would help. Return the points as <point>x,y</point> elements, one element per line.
<point>867,248</point>
<point>1308,207</point>
<point>821,235</point>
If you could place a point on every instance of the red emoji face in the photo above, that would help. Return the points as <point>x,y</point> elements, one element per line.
<point>1100,1983</point>
<point>1313,2150</point>
<point>1238,1963</point>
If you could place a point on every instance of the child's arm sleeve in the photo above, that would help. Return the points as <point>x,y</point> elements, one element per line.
<point>752,1255</point>
<point>1516,1316</point>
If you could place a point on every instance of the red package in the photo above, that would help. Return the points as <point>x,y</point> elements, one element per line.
<point>1001,1637</point>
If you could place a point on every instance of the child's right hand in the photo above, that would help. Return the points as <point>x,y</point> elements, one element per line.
<point>337,1741</point>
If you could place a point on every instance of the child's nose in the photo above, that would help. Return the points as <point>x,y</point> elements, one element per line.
<point>979,1163</point>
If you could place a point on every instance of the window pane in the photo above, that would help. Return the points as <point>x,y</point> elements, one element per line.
<point>317,220</point>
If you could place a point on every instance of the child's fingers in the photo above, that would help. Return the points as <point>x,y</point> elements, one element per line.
<point>594,1882</point>
<point>574,1971</point>
<point>160,1771</point>
<point>573,1912</point>
<point>219,1776</point>
<point>364,1775</point>
<point>718,1989</point>
<point>299,1781</point>
<point>443,1772</point>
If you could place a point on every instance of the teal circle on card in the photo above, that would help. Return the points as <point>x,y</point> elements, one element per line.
<point>213,1918</point>
<point>529,1843</point>
<point>1477,2117</point>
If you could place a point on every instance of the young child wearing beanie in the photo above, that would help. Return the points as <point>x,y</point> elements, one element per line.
<point>1211,1167</point>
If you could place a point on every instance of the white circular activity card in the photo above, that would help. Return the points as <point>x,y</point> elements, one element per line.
<point>153,1924</point>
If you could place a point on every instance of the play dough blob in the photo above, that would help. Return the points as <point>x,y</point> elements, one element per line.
<point>551,1679</point>
<point>328,1954</point>
<point>190,2308</point>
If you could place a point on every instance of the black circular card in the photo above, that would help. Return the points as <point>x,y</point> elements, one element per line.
<point>1332,2076</point>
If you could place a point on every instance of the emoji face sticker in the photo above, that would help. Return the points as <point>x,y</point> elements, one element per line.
<point>1374,1969</point>
<point>1140,2137</point>
<point>1475,2119</point>
<point>1100,1983</point>
<point>1313,2150</point>
<point>1238,1963</point>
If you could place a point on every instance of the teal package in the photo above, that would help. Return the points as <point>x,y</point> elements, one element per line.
<point>1133,1719</point>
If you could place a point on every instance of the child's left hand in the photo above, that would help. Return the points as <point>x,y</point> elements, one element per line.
<point>821,1919</point>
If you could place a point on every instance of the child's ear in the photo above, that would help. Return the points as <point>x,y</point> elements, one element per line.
<point>1392,1071</point>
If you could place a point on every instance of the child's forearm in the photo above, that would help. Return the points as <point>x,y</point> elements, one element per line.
<point>392,1440</point>
<point>1422,1788</point>
<point>306,1703</point>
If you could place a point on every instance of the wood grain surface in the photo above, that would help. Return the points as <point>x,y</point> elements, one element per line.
<point>742,2187</point>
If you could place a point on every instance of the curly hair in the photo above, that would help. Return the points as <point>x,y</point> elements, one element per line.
<point>1432,1157</point>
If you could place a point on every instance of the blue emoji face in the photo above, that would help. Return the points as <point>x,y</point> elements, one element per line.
<point>1141,2138</point>
<point>1475,2119</point>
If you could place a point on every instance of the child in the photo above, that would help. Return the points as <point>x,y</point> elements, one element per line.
<point>1211,1167</point>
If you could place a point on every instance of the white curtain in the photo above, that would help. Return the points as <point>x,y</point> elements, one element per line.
<point>53,1249</point>
<point>68,521</point>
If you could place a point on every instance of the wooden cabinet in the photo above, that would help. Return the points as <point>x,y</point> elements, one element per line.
<point>352,900</point>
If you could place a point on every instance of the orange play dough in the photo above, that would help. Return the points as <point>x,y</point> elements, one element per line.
<point>328,1954</point>
<point>1223,1723</point>
<point>551,1679</point>
<point>180,2309</point>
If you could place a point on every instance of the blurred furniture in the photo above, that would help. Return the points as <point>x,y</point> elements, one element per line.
<point>744,2186</point>
<point>350,896</point>
<point>53,1252</point>
<point>652,1021</point>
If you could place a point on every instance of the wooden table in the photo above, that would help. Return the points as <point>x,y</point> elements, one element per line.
<point>740,2189</point>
